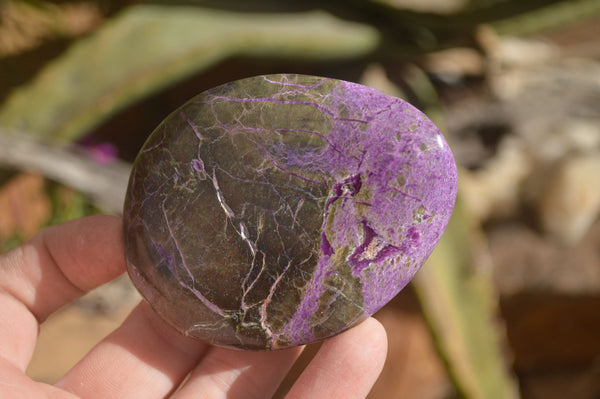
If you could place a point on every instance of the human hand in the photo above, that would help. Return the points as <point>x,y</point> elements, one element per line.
<point>144,357</point>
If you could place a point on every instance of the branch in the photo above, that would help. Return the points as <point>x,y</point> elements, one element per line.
<point>104,184</point>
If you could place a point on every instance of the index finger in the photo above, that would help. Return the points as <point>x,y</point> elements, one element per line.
<point>56,266</point>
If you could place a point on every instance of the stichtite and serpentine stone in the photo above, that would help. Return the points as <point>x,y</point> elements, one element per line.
<point>280,210</point>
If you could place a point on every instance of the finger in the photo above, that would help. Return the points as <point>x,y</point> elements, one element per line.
<point>231,374</point>
<point>16,384</point>
<point>53,268</point>
<point>63,262</point>
<point>346,366</point>
<point>143,358</point>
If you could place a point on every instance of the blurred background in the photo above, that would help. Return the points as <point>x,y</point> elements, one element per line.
<point>508,305</point>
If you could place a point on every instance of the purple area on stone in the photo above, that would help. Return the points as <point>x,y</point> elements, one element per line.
<point>280,210</point>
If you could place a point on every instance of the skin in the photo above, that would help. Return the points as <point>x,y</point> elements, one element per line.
<point>144,357</point>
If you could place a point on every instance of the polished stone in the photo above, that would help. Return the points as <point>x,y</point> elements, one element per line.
<point>280,210</point>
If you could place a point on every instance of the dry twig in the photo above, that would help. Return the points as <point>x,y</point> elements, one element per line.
<point>105,184</point>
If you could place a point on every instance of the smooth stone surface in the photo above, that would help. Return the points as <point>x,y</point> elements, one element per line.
<point>280,210</point>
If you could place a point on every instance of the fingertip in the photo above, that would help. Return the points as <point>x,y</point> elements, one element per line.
<point>369,342</point>
<point>377,340</point>
<point>63,262</point>
<point>346,365</point>
<point>89,250</point>
<point>376,331</point>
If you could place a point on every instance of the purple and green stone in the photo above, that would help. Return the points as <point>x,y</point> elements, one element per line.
<point>280,210</point>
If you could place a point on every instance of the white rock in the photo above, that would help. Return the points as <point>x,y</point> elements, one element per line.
<point>494,191</point>
<point>455,63</point>
<point>568,201</point>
